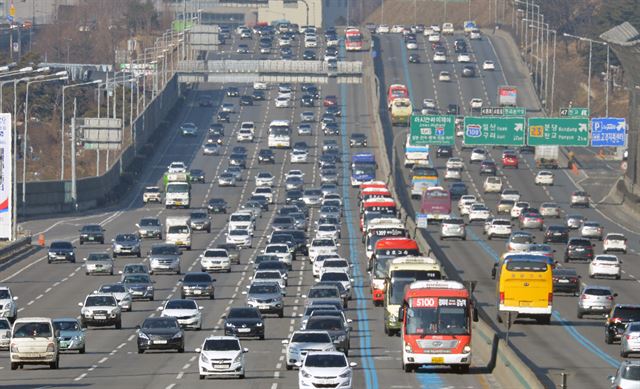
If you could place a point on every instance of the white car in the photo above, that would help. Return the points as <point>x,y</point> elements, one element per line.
<point>478,155</point>
<point>322,246</point>
<point>248,126</point>
<point>612,242</point>
<point>549,209</point>
<point>447,28</point>
<point>244,135</point>
<point>492,184</point>
<point>454,174</point>
<point>475,35</point>
<point>320,367</point>
<point>499,227</point>
<point>397,28</point>
<point>429,103</point>
<point>510,194</point>
<point>8,307</point>
<point>434,38</point>
<point>478,212</point>
<point>455,163</point>
<point>317,264</point>
<point>383,29</point>
<point>260,85</point>
<point>215,260</point>
<point>270,276</point>
<point>294,173</point>
<point>605,265</point>
<point>265,179</point>
<point>221,355</point>
<point>228,107</point>
<point>453,228</point>
<point>440,57</point>
<point>544,177</point>
<point>475,103</point>
<point>444,76</point>
<point>412,45</point>
<point>435,28</point>
<point>265,191</point>
<point>520,241</point>
<point>299,156</point>
<point>592,230</point>
<point>300,342</point>
<point>282,102</point>
<point>329,231</point>
<point>464,58</point>
<point>281,251</point>
<point>310,42</point>
<point>240,237</point>
<point>336,264</point>
<point>284,42</point>
<point>177,167</point>
<point>185,310</point>
<point>465,202</point>
<point>517,208</point>
<point>488,65</point>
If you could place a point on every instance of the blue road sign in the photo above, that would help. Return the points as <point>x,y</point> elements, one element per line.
<point>608,132</point>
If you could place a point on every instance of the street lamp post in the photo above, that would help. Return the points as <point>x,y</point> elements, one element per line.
<point>591,42</point>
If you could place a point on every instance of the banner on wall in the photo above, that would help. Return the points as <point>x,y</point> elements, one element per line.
<point>6,179</point>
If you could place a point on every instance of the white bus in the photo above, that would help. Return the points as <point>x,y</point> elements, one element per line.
<point>414,154</point>
<point>279,134</point>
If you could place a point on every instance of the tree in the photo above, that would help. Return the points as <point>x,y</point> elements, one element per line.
<point>141,17</point>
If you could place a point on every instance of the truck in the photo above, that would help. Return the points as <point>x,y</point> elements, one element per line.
<point>178,231</point>
<point>507,96</point>
<point>401,110</point>
<point>546,157</point>
<point>363,168</point>
<point>177,190</point>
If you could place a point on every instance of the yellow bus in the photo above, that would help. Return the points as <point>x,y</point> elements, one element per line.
<point>402,272</point>
<point>525,288</point>
<point>401,110</point>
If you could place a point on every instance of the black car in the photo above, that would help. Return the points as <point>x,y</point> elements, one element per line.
<point>280,223</point>
<point>307,101</point>
<point>556,234</point>
<point>414,58</point>
<point>216,129</point>
<point>244,322</point>
<point>292,195</point>
<point>444,151</point>
<point>223,117</point>
<point>299,238</point>
<point>92,233</point>
<point>205,101</point>
<point>313,91</point>
<point>262,200</point>
<point>196,175</point>
<point>488,167</point>
<point>232,91</point>
<point>578,248</point>
<point>331,129</point>
<point>458,189</point>
<point>239,150</point>
<point>309,55</point>
<point>266,155</point>
<point>468,71</point>
<point>238,160</point>
<point>215,139</point>
<point>453,109</point>
<point>217,205</point>
<point>358,139</point>
<point>61,250</point>
<point>258,95</point>
<point>567,280</point>
<point>160,333</point>
<point>246,100</point>
<point>617,320</point>
<point>300,146</point>
<point>198,284</point>
<point>273,265</point>
<point>333,110</point>
<point>233,250</point>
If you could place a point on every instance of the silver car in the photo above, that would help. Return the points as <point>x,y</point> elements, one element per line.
<point>126,244</point>
<point>71,335</point>
<point>574,221</point>
<point>149,227</point>
<point>453,228</point>
<point>215,260</point>
<point>312,197</point>
<point>200,221</point>
<point>592,230</point>
<point>630,342</point>
<point>550,210</point>
<point>302,342</point>
<point>267,297</point>
<point>139,285</point>
<point>5,333</point>
<point>164,257</point>
<point>595,299</point>
<point>627,376</point>
<point>227,179</point>
<point>98,263</point>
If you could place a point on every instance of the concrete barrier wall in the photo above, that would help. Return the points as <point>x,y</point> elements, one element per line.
<point>47,197</point>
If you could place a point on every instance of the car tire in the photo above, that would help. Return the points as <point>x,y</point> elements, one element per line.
<point>580,315</point>
<point>201,376</point>
<point>181,350</point>
<point>140,351</point>
<point>139,254</point>
<point>83,324</point>
<point>115,255</point>
<point>281,314</point>
<point>212,296</point>
<point>54,365</point>
<point>624,354</point>
<point>82,350</point>
<point>81,242</point>
<point>407,368</point>
<point>262,337</point>
<point>14,366</point>
<point>119,324</point>
<point>608,339</point>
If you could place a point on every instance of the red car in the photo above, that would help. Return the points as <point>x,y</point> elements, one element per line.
<point>509,160</point>
<point>330,100</point>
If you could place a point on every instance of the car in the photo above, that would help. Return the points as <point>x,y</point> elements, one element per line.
<point>465,202</point>
<point>309,55</point>
<point>197,284</point>
<point>139,285</point>
<point>574,221</point>
<point>100,310</point>
<point>305,129</point>
<point>504,206</point>
<point>500,228</point>
<point>33,342</point>
<point>226,179</point>
<point>464,58</point>
<point>200,221</point>
<point>91,233</point>
<point>618,319</point>
<point>216,129</point>
<point>550,209</point>
<point>70,334</point>
<point>61,250</point>
<point>134,268</point>
<point>614,242</point>
<point>188,129</point>
<point>160,333</point>
<point>197,175</point>
<point>187,312</point>
<point>458,189</point>
<point>335,326</point>
<point>5,334</point>
<point>518,207</point>
<point>444,151</point>
<point>240,237</point>
<point>488,167</point>
<point>258,95</point>
<point>223,117</point>
<point>126,244</point>
<point>578,248</point>
<point>333,110</point>
<point>244,322</point>
<point>478,155</point>
<point>282,102</point>
<point>98,263</point>
<point>221,356</point>
<point>300,343</point>
<point>9,308</point>
<point>544,177</point>
<point>488,65</point>
<point>414,58</point>
<point>259,85</point>
<point>592,230</point>
<point>164,257</point>
<point>383,29</point>
<point>237,159</point>
<point>511,194</point>
<point>630,342</point>
<point>267,297</point>
<point>520,241</point>
<point>434,38</point>
<point>307,101</point>
<point>492,184</point>
<point>211,149</point>
<point>177,167</point>
<point>242,49</point>
<point>151,194</point>
<point>215,259</point>
<point>320,366</point>
<point>605,265</point>
<point>627,375</point>
<point>217,205</point>
<point>453,174</point>
<point>509,159</point>
<point>358,139</point>
<point>293,183</point>
<point>566,280</point>
<point>556,234</point>
<point>246,100</point>
<point>531,218</point>
<point>478,212</point>
<point>205,101</point>
<point>232,91</point>
<point>468,71</point>
<point>266,156</point>
<point>272,275</point>
<point>475,34</point>
<point>579,198</point>
<point>453,228</point>
<point>444,76</point>
<point>299,157</point>
<point>120,292</point>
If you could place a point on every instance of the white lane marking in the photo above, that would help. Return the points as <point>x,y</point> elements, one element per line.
<point>81,376</point>
<point>274,386</point>
<point>130,338</point>
<point>23,269</point>
<point>170,386</point>
<point>180,375</point>
<point>103,360</point>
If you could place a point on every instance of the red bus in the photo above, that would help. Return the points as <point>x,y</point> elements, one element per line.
<point>436,325</point>
<point>396,91</point>
<point>376,208</point>
<point>373,184</point>
<point>373,193</point>
<point>384,252</point>
<point>353,40</point>
<point>436,203</point>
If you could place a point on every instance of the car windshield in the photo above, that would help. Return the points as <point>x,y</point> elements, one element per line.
<point>263,289</point>
<point>597,291</point>
<point>66,325</point>
<point>92,228</point>
<point>98,257</point>
<point>31,329</point>
<point>521,238</point>
<point>606,258</point>
<point>335,276</point>
<point>337,263</point>
<point>325,360</point>
<point>159,322</point>
<point>135,269</point>
<point>323,293</point>
<point>165,250</point>
<point>241,218</point>
<point>100,301</point>
<point>310,337</point>
<point>4,324</point>
<point>61,245</point>
<point>325,323</point>
<point>149,223</point>
<point>179,229</point>
<point>198,215</point>
<point>221,345</point>
<point>115,288</point>
<point>215,253</point>
<point>238,232</point>
<point>181,304</point>
<point>204,277</point>
<point>126,238</point>
<point>137,279</point>
<point>631,373</point>
<point>266,275</point>
<point>276,249</point>
<point>615,237</point>
<point>627,313</point>
<point>322,243</point>
<point>244,314</point>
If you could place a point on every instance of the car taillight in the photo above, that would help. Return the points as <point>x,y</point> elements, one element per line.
<point>574,280</point>
<point>583,297</point>
<point>501,297</point>
<point>616,320</point>
<point>555,279</point>
<point>610,298</point>
<point>550,298</point>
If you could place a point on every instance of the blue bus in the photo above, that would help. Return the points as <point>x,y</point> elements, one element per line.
<point>363,168</point>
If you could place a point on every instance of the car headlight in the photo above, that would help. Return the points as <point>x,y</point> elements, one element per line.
<point>393,317</point>
<point>238,358</point>
<point>177,335</point>
<point>259,325</point>
<point>143,335</point>
<point>305,374</point>
<point>203,358</point>
<point>229,325</point>
<point>149,287</point>
<point>408,348</point>
<point>346,374</point>
<point>340,338</point>
<point>466,349</point>
<point>76,338</point>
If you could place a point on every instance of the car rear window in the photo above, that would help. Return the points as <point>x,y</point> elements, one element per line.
<point>627,313</point>
<point>597,292</point>
<point>580,242</point>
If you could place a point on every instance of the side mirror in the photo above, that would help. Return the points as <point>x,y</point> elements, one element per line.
<point>298,364</point>
<point>84,259</point>
<point>113,240</point>
<point>80,304</point>
<point>615,295</point>
<point>159,309</point>
<point>349,321</point>
<point>244,292</point>
<point>299,315</point>
<point>245,350</point>
<point>285,341</point>
<point>353,364</point>
<point>304,296</point>
<point>119,271</point>
<point>15,298</point>
<point>57,333</point>
<point>137,225</point>
<point>352,280</point>
<point>401,314</point>
<point>200,308</point>
<point>198,349</point>
<point>475,314</point>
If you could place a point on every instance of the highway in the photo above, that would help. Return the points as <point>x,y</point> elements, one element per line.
<point>54,290</point>
<point>571,345</point>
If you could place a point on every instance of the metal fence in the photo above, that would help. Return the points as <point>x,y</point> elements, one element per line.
<point>269,67</point>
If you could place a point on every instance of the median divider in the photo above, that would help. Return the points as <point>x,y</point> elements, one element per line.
<point>501,361</point>
<point>16,248</point>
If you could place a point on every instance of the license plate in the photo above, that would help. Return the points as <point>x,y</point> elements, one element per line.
<point>579,249</point>
<point>197,292</point>
<point>437,360</point>
<point>91,238</point>
<point>244,329</point>
<point>563,281</point>
<point>100,317</point>
<point>220,366</point>
<point>557,233</point>
<point>263,307</point>
<point>525,303</point>
<point>597,308</point>
<point>178,202</point>
<point>159,342</point>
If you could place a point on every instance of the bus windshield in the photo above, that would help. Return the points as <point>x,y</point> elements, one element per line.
<point>397,287</point>
<point>450,317</point>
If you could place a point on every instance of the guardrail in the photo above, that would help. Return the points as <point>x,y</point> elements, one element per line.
<point>269,67</point>
<point>17,247</point>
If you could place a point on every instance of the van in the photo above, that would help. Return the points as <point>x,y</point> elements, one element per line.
<point>178,231</point>
<point>34,342</point>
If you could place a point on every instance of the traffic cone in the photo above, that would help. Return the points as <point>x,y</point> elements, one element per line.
<point>41,240</point>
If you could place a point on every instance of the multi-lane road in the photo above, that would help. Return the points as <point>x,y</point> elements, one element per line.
<point>569,345</point>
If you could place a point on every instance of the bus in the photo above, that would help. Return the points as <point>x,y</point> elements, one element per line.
<point>525,288</point>
<point>396,91</point>
<point>279,134</point>
<point>422,177</point>
<point>414,154</point>
<point>402,272</point>
<point>376,208</point>
<point>353,40</point>
<point>372,193</point>
<point>363,168</point>
<point>384,251</point>
<point>436,203</point>
<point>401,110</point>
<point>381,228</point>
<point>436,325</point>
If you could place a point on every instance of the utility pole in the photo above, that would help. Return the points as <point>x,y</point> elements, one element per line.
<point>74,193</point>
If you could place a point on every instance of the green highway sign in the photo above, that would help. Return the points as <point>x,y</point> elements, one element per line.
<point>558,132</point>
<point>515,111</point>
<point>576,112</point>
<point>432,130</point>
<point>503,111</point>
<point>494,131</point>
